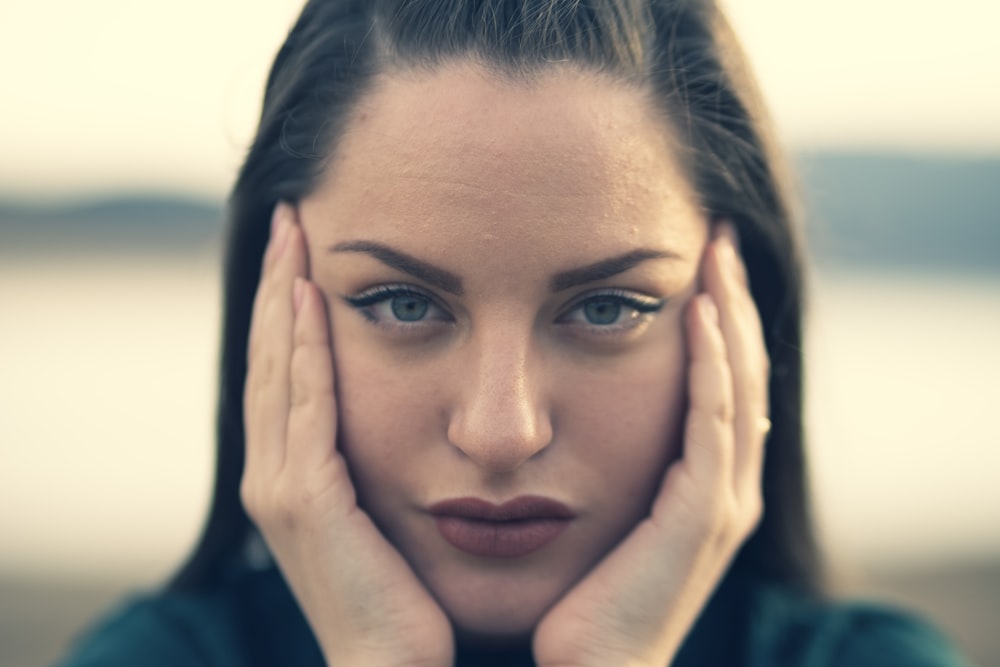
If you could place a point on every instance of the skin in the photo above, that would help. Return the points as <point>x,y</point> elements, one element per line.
<point>647,427</point>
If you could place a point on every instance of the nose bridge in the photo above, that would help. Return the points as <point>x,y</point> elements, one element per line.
<point>501,418</point>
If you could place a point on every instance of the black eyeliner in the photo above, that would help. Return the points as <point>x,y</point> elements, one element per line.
<point>383,292</point>
<point>642,304</point>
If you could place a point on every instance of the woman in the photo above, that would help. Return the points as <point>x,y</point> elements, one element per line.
<point>513,303</point>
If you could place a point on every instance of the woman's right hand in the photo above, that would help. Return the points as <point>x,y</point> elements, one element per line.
<point>363,601</point>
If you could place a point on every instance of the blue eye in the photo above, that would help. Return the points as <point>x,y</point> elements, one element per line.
<point>602,311</point>
<point>397,304</point>
<point>612,310</point>
<point>409,307</point>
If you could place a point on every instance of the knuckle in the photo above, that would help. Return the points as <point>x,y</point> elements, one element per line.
<point>284,508</point>
<point>249,499</point>
<point>715,518</point>
<point>726,522</point>
<point>298,395</point>
<point>266,368</point>
<point>295,500</point>
<point>306,382</point>
<point>724,413</point>
<point>268,505</point>
<point>261,371</point>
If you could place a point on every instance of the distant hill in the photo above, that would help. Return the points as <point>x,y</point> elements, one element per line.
<point>156,222</point>
<point>866,209</point>
<point>898,210</point>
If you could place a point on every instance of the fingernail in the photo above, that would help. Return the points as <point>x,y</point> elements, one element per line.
<point>275,219</point>
<point>283,227</point>
<point>731,253</point>
<point>298,293</point>
<point>708,308</point>
<point>734,237</point>
<point>274,239</point>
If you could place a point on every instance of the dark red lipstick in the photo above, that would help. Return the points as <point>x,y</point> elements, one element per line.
<point>515,528</point>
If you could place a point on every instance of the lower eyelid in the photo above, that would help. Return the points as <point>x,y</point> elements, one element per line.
<point>619,327</point>
<point>609,333</point>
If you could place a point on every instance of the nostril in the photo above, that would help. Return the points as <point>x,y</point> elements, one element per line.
<point>500,418</point>
<point>499,440</point>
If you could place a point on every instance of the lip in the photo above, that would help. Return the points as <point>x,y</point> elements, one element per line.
<point>512,529</point>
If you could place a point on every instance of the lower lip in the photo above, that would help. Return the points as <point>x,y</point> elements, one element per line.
<point>499,539</point>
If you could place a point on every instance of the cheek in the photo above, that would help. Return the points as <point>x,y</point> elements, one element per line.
<point>387,414</point>
<point>627,424</point>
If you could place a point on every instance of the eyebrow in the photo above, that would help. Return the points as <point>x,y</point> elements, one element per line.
<point>606,268</point>
<point>443,280</point>
<point>451,283</point>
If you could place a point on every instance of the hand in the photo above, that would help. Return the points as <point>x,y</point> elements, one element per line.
<point>362,600</point>
<point>638,604</point>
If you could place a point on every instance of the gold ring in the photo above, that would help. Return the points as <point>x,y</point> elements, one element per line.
<point>764,425</point>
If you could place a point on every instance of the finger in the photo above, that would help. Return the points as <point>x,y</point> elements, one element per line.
<point>277,241</point>
<point>266,392</point>
<point>312,420</point>
<point>273,243</point>
<point>708,439</point>
<point>725,279</point>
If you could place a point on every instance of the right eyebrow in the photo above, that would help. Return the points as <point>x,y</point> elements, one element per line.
<point>443,280</point>
<point>606,268</point>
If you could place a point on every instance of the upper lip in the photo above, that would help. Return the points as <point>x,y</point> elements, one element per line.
<point>521,508</point>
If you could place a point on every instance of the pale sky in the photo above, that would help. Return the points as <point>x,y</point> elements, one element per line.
<point>113,94</point>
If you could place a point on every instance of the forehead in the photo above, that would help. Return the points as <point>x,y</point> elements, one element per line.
<point>459,149</point>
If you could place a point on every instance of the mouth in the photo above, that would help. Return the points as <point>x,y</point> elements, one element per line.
<point>513,529</point>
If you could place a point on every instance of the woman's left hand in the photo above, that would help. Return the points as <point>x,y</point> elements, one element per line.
<point>639,603</point>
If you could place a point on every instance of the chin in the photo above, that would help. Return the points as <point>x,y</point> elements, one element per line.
<point>493,626</point>
<point>497,610</point>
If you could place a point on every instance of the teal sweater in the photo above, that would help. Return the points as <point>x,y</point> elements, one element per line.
<point>252,620</point>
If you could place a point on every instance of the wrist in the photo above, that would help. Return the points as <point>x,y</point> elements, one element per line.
<point>346,656</point>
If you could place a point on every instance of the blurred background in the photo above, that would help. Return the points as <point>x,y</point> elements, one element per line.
<point>122,124</point>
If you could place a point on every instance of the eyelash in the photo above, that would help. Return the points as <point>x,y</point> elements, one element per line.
<point>365,302</point>
<point>642,307</point>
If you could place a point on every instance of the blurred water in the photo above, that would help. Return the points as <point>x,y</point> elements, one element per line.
<point>106,402</point>
<point>904,390</point>
<point>107,395</point>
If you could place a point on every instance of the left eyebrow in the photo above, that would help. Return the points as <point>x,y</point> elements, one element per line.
<point>606,268</point>
<point>440,278</point>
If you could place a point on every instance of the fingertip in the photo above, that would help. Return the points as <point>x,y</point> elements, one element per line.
<point>295,244</point>
<point>726,230</point>
<point>728,265</point>
<point>276,217</point>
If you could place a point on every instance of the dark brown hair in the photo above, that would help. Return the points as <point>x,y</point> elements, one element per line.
<point>681,50</point>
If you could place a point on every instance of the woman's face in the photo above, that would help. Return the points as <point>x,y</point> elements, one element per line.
<point>506,266</point>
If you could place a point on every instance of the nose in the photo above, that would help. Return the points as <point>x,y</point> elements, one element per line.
<point>500,419</point>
